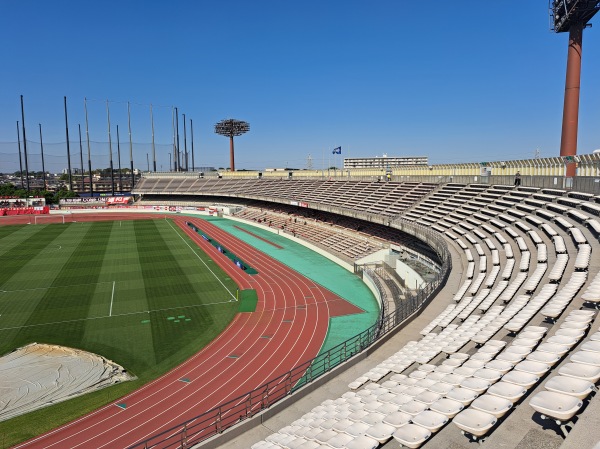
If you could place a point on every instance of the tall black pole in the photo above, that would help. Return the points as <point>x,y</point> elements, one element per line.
<point>153,147</point>
<point>112,171</point>
<point>177,134</point>
<point>119,156</point>
<point>81,157</point>
<point>87,136</point>
<point>174,142</point>
<point>25,145</point>
<point>43,165</point>
<point>20,161</point>
<point>187,168</point>
<point>147,162</point>
<point>68,147</point>
<point>130,145</point>
<point>192,136</point>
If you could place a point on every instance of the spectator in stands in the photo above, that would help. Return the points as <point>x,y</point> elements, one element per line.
<point>517,179</point>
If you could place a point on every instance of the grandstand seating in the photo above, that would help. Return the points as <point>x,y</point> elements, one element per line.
<point>516,337</point>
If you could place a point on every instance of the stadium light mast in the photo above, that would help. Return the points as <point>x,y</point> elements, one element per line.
<point>231,128</point>
<point>571,16</point>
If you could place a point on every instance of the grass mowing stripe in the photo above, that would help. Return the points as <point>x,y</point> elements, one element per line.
<point>209,269</point>
<point>82,267</point>
<point>164,278</point>
<point>7,231</point>
<point>17,257</point>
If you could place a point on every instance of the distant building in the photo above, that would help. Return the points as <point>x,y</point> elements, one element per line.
<point>384,161</point>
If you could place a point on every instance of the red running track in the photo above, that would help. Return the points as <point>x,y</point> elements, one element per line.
<point>296,336</point>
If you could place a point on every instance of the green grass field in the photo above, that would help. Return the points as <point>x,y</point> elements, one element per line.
<point>137,292</point>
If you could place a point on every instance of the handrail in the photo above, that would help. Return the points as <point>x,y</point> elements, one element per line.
<point>218,419</point>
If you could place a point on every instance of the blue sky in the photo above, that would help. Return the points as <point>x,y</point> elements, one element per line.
<point>455,81</point>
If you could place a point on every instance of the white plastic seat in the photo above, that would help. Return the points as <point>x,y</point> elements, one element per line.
<point>342,425</point>
<point>362,442</point>
<point>475,422</point>
<point>441,388</point>
<point>430,420</point>
<point>462,395</point>
<point>563,340</point>
<point>590,373</point>
<point>501,366</point>
<point>328,424</point>
<point>581,325</point>
<point>358,415</point>
<point>526,380</point>
<point>325,435</point>
<point>418,374</point>
<point>380,432</point>
<point>586,357</point>
<point>506,390</point>
<point>386,398</point>
<point>452,362</point>
<point>494,405</point>
<point>386,409</point>
<point>521,350</point>
<point>359,382</point>
<point>591,346</point>
<point>372,405</point>
<point>453,379</point>
<point>426,383</point>
<point>372,418</point>
<point>479,386</point>
<point>401,399</point>
<point>490,375</point>
<point>544,357</point>
<point>414,391</point>
<point>553,348</point>
<point>511,357</point>
<point>427,397</point>
<point>411,435</point>
<point>574,333</point>
<point>465,371</point>
<point>482,356</point>
<point>339,441</point>
<point>528,366</point>
<point>570,385</point>
<point>413,408</point>
<point>448,407</point>
<point>397,419</point>
<point>310,434</point>
<point>525,342</point>
<point>556,405</point>
<point>357,429</point>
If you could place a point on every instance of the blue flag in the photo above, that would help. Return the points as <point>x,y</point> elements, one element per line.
<point>337,150</point>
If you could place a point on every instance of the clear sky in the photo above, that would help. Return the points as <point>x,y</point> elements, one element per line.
<point>462,81</point>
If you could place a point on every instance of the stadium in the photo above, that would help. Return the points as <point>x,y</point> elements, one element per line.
<point>381,303</point>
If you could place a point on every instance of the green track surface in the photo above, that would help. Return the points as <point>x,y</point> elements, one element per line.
<point>321,270</point>
<point>108,288</point>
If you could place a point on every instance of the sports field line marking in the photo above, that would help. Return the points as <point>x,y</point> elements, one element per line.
<point>114,316</point>
<point>112,296</point>
<point>204,263</point>
<point>54,286</point>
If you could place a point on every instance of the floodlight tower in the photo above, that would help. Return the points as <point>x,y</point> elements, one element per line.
<point>572,16</point>
<point>230,128</point>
